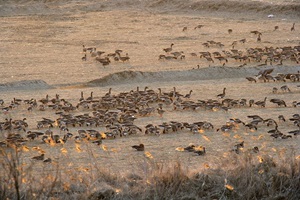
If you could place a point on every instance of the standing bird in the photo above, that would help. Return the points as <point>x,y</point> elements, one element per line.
<point>84,58</point>
<point>276,28</point>
<point>293,27</point>
<point>167,50</point>
<point>160,111</point>
<point>259,38</point>
<point>222,95</point>
<point>184,28</point>
<point>140,147</point>
<point>281,118</point>
<point>229,31</point>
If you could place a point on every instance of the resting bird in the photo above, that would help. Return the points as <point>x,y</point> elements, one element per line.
<point>201,152</point>
<point>140,147</point>
<point>40,157</point>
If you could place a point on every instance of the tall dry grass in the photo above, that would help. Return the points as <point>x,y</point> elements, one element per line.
<point>248,176</point>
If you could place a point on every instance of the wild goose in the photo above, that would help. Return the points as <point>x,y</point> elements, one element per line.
<point>251,79</point>
<point>258,38</point>
<point>293,27</point>
<point>275,90</point>
<point>281,118</point>
<point>222,95</point>
<point>190,148</point>
<point>124,58</point>
<point>261,103</point>
<point>295,132</point>
<point>81,96</point>
<point>279,102</point>
<point>90,98</point>
<point>188,95</point>
<point>285,88</point>
<point>201,152</point>
<point>84,58</point>
<point>167,50</point>
<point>160,111</point>
<point>103,61</point>
<point>255,149</point>
<point>255,32</point>
<point>40,157</point>
<point>199,26</point>
<point>140,147</point>
<point>45,100</point>
<point>237,148</point>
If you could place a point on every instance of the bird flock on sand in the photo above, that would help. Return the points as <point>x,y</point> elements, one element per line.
<point>101,57</point>
<point>113,115</point>
<point>241,57</point>
<point>255,56</point>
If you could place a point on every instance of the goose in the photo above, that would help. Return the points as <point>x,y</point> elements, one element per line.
<point>279,102</point>
<point>293,27</point>
<point>222,95</point>
<point>281,118</point>
<point>256,32</point>
<point>167,50</point>
<point>199,26</point>
<point>124,58</point>
<point>190,148</point>
<point>160,111</point>
<point>261,103</point>
<point>188,95</point>
<point>255,149</point>
<point>140,147</point>
<point>258,38</point>
<point>251,79</point>
<point>285,88</point>
<point>98,141</point>
<point>45,100</point>
<point>90,98</point>
<point>201,152</point>
<point>84,58</point>
<point>242,40</point>
<point>81,96</point>
<point>40,157</point>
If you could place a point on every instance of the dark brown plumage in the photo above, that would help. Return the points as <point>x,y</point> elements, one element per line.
<point>40,157</point>
<point>140,147</point>
<point>201,152</point>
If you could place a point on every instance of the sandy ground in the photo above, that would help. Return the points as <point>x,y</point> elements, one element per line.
<point>49,48</point>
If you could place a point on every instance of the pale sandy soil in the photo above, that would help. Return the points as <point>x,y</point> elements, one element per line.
<point>49,48</point>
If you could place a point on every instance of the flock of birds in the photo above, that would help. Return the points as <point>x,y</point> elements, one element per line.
<point>113,115</point>
<point>257,56</point>
<point>101,57</point>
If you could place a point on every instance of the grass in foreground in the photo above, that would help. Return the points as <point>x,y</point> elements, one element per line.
<point>242,176</point>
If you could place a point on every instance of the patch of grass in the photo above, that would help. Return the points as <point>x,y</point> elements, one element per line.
<point>247,176</point>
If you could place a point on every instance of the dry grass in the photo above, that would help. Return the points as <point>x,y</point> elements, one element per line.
<point>243,176</point>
